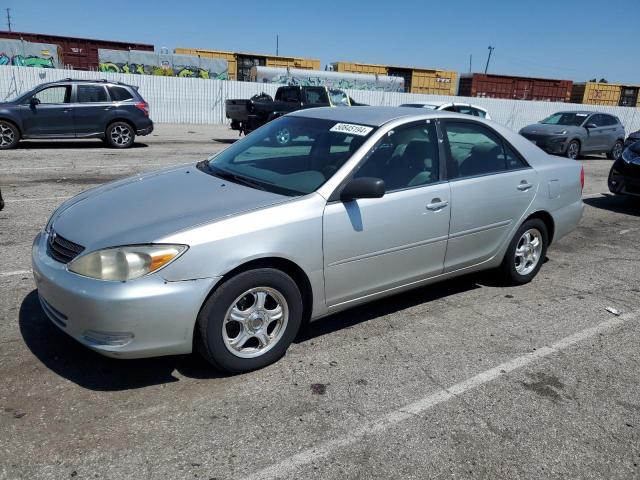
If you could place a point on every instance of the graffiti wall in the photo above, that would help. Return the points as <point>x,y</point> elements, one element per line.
<point>28,54</point>
<point>341,80</point>
<point>165,65</point>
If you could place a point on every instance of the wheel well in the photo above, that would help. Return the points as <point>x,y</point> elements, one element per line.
<point>8,120</point>
<point>548,221</point>
<point>286,266</point>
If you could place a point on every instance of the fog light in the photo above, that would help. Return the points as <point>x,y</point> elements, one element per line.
<point>114,339</point>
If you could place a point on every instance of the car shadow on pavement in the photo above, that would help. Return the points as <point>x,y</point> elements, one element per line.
<point>226,140</point>
<point>78,145</point>
<point>79,364</point>
<point>392,304</point>
<point>616,203</point>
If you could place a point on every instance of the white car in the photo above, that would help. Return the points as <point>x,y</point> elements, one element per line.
<point>465,108</point>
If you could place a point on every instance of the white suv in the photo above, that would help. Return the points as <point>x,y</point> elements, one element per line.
<point>466,108</point>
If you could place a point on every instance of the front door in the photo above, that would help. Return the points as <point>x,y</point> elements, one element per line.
<point>93,109</point>
<point>52,116</point>
<point>372,245</point>
<point>491,189</point>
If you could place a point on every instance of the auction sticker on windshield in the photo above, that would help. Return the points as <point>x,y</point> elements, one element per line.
<point>360,130</point>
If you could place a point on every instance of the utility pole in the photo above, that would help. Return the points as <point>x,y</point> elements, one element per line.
<point>491,49</point>
<point>9,19</point>
<point>470,62</point>
<point>277,45</point>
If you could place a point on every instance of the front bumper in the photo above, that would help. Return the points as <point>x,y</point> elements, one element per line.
<point>624,178</point>
<point>553,144</point>
<point>145,317</point>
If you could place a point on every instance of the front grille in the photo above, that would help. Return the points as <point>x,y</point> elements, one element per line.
<point>61,249</point>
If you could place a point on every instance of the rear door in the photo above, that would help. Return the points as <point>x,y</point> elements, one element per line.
<point>93,109</point>
<point>52,117</point>
<point>491,189</point>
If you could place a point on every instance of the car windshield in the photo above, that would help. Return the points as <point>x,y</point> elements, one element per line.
<point>339,98</point>
<point>22,96</point>
<point>572,119</point>
<point>420,105</point>
<point>290,155</point>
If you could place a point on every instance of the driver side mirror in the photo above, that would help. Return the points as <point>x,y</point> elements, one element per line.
<point>364,187</point>
<point>590,125</point>
<point>33,101</point>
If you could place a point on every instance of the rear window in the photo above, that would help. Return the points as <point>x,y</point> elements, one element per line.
<point>92,94</point>
<point>120,94</point>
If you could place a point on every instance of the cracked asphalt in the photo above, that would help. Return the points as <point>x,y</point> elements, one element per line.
<point>405,387</point>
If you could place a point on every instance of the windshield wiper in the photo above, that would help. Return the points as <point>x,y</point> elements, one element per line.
<point>236,178</point>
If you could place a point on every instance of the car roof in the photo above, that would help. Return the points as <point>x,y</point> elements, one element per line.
<point>365,115</point>
<point>81,80</point>
<point>588,112</point>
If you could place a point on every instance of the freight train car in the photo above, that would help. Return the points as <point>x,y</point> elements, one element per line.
<point>514,88</point>
<point>416,80</point>
<point>339,80</point>
<point>77,53</point>
<point>602,93</point>
<point>240,64</point>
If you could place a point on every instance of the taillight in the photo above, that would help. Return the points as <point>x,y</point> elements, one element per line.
<point>144,106</point>
<point>582,178</point>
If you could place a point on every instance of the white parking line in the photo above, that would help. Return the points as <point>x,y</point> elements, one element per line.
<point>62,167</point>
<point>14,273</point>
<point>313,454</point>
<point>35,199</point>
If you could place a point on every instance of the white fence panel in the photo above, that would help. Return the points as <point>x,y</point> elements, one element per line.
<point>194,100</point>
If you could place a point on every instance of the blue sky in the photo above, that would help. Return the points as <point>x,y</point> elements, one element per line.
<point>575,40</point>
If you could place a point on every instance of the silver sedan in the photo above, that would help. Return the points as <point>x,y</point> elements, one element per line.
<point>233,255</point>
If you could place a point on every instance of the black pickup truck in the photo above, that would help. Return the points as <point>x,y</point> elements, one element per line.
<point>247,115</point>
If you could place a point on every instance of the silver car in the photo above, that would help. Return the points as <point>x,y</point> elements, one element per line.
<point>233,255</point>
<point>576,133</point>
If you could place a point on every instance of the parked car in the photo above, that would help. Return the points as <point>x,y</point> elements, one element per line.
<point>624,176</point>
<point>632,138</point>
<point>72,109</point>
<point>576,133</point>
<point>248,115</point>
<point>235,253</point>
<point>466,108</point>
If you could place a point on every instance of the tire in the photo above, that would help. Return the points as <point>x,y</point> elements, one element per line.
<point>236,333</point>
<point>616,151</point>
<point>573,150</point>
<point>9,135</point>
<point>120,135</point>
<point>519,270</point>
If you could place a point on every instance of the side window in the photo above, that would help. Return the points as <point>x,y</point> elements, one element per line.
<point>120,94</point>
<point>466,110</point>
<point>54,95</point>
<point>291,95</point>
<point>610,121</point>
<point>450,108</point>
<point>316,96</point>
<point>92,94</point>
<point>475,150</point>
<point>596,120</point>
<point>406,157</point>
<point>479,113</point>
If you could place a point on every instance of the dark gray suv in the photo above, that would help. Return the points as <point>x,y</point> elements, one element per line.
<point>68,109</point>
<point>578,132</point>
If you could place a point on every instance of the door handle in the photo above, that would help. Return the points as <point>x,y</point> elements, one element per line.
<point>66,110</point>
<point>108,108</point>
<point>436,204</point>
<point>524,186</point>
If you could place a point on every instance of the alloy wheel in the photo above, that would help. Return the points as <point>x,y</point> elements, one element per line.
<point>121,135</point>
<point>617,150</point>
<point>255,322</point>
<point>528,251</point>
<point>7,135</point>
<point>573,150</point>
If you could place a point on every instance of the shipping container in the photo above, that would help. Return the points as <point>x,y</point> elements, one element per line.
<point>240,64</point>
<point>629,96</point>
<point>596,93</point>
<point>416,80</point>
<point>77,53</point>
<point>514,88</point>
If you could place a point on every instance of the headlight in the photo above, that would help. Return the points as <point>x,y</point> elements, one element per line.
<point>630,156</point>
<point>125,263</point>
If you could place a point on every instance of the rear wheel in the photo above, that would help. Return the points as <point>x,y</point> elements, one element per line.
<point>9,135</point>
<point>120,135</point>
<point>526,252</point>
<point>616,151</point>
<point>250,320</point>
<point>573,150</point>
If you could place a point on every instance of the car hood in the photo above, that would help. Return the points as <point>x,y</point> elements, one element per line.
<point>148,207</point>
<point>544,129</point>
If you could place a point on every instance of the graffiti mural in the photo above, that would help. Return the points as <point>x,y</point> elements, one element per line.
<point>164,65</point>
<point>28,54</point>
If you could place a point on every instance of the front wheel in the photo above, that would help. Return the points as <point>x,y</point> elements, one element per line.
<point>573,150</point>
<point>120,135</point>
<point>9,135</point>
<point>616,151</point>
<point>250,320</point>
<point>526,252</point>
